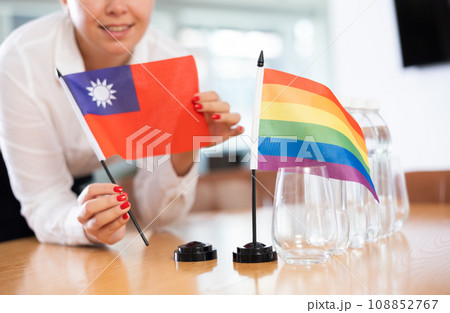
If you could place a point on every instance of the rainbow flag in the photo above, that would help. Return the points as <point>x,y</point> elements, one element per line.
<point>301,123</point>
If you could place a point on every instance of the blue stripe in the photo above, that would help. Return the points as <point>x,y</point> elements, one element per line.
<point>330,153</point>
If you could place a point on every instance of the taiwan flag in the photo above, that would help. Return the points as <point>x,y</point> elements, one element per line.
<point>140,110</point>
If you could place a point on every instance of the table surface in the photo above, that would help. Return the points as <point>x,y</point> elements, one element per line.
<point>412,261</point>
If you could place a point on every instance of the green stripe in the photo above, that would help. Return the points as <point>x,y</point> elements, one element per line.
<point>323,134</point>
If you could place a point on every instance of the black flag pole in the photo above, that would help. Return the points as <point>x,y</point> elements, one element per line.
<point>111,178</point>
<point>94,145</point>
<point>254,206</point>
<point>255,252</point>
<point>260,65</point>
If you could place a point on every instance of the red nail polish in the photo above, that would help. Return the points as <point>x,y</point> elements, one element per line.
<point>215,116</point>
<point>125,193</point>
<point>118,189</point>
<point>125,216</point>
<point>198,106</point>
<point>240,128</point>
<point>121,197</point>
<point>195,99</point>
<point>125,205</point>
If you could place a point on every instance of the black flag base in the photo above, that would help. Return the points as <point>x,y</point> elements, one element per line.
<point>195,251</point>
<point>254,253</point>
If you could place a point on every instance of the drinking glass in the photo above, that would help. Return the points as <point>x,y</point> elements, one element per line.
<point>357,216</point>
<point>383,186</point>
<point>400,193</point>
<point>373,219</point>
<point>304,229</point>
<point>338,190</point>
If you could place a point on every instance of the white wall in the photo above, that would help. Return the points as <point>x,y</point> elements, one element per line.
<point>415,101</point>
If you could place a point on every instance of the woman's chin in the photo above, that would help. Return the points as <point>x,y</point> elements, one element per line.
<point>119,50</point>
<point>115,48</point>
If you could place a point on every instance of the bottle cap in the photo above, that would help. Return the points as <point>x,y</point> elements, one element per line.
<point>345,101</point>
<point>372,104</point>
<point>195,251</point>
<point>357,103</point>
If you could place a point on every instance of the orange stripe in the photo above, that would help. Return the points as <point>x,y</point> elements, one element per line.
<point>282,78</point>
<point>299,96</point>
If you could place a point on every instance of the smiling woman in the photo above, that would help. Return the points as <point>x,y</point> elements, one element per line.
<point>108,31</point>
<point>43,144</point>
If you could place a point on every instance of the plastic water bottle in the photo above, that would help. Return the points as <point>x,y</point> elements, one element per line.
<point>372,206</point>
<point>338,188</point>
<point>355,204</point>
<point>382,167</point>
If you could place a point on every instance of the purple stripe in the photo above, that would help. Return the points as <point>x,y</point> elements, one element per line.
<point>337,171</point>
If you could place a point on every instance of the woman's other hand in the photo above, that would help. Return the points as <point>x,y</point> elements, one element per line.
<point>217,113</point>
<point>103,212</point>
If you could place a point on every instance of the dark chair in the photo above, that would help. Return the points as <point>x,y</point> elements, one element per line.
<point>430,186</point>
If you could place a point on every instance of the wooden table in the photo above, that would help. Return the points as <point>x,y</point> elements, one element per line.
<point>413,261</point>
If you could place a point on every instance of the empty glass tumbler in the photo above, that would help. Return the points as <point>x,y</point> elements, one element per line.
<point>357,215</point>
<point>400,194</point>
<point>338,190</point>
<point>304,228</point>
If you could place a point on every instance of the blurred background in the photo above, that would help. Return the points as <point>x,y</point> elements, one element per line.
<point>358,48</point>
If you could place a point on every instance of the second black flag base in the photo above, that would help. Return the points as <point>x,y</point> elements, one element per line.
<point>254,253</point>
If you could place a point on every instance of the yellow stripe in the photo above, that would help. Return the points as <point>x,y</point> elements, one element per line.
<point>295,112</point>
<point>281,93</point>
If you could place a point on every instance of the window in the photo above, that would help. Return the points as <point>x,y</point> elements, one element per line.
<point>226,41</point>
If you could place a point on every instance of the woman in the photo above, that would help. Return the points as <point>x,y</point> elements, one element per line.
<point>43,144</point>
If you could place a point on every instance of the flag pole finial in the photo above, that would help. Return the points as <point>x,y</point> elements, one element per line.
<point>58,73</point>
<point>261,59</point>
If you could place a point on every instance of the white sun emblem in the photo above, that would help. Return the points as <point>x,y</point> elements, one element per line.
<point>101,93</point>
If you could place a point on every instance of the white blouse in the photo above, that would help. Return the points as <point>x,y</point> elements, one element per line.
<point>43,144</point>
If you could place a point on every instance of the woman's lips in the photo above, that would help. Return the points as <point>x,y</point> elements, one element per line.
<point>117,31</point>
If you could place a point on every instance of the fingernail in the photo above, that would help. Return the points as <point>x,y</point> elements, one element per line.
<point>198,106</point>
<point>121,197</point>
<point>118,189</point>
<point>125,205</point>
<point>215,116</point>
<point>125,193</point>
<point>195,99</point>
<point>125,216</point>
<point>240,128</point>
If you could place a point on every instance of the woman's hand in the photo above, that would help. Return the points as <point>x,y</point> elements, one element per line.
<point>220,122</point>
<point>217,113</point>
<point>104,212</point>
